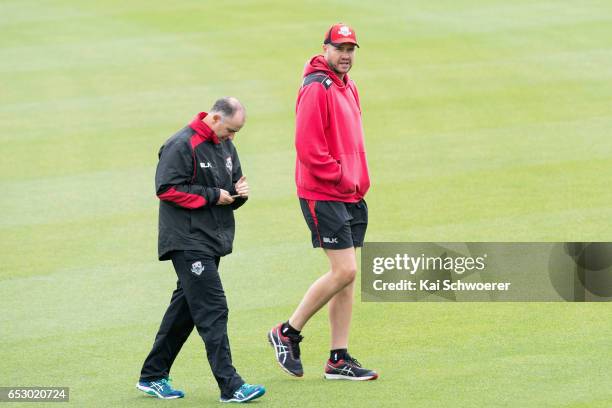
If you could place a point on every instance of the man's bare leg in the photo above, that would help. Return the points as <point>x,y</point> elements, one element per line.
<point>336,287</point>
<point>340,314</point>
<point>342,275</point>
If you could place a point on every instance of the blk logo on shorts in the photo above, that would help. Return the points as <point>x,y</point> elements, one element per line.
<point>330,240</point>
<point>197,268</point>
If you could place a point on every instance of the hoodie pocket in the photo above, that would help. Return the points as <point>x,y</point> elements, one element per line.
<point>363,182</point>
<point>351,171</point>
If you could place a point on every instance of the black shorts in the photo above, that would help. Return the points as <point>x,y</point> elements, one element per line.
<point>335,224</point>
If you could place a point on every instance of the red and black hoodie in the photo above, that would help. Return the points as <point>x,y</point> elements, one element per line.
<point>193,165</point>
<point>331,161</point>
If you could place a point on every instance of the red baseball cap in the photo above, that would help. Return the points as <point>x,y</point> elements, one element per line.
<point>339,34</point>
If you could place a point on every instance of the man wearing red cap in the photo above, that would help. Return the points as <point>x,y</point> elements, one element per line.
<point>332,179</point>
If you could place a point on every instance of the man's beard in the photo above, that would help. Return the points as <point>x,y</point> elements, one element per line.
<point>334,67</point>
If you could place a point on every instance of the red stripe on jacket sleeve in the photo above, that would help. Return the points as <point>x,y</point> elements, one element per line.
<point>186,200</point>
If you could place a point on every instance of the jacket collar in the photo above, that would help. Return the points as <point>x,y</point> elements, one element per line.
<point>202,129</point>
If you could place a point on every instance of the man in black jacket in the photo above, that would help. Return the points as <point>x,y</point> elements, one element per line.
<point>199,184</point>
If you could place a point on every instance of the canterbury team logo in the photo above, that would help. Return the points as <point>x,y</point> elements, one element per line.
<point>197,268</point>
<point>345,31</point>
<point>228,164</point>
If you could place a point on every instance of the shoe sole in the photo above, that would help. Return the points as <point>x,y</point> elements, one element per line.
<point>152,393</point>
<point>344,377</point>
<point>273,344</point>
<point>251,397</point>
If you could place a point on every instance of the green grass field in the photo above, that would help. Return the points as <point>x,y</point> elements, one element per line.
<point>484,120</point>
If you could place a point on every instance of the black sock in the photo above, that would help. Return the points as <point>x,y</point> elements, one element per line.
<point>337,354</point>
<point>288,330</point>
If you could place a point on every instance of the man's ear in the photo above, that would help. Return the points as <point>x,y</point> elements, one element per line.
<point>216,117</point>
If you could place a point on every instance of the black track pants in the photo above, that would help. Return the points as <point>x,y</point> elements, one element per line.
<point>198,300</point>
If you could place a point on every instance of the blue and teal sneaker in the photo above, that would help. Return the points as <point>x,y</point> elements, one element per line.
<point>160,389</point>
<point>246,393</point>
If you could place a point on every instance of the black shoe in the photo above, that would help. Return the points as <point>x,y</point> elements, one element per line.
<point>348,369</point>
<point>287,350</point>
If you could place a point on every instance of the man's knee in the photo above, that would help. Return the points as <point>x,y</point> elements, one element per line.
<point>345,274</point>
<point>213,324</point>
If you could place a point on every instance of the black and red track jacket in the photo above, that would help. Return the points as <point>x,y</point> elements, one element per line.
<point>193,165</point>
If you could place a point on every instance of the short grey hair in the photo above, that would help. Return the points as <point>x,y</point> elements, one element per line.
<point>227,106</point>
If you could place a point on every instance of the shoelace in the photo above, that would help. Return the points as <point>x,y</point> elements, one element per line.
<point>294,341</point>
<point>352,361</point>
<point>245,387</point>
